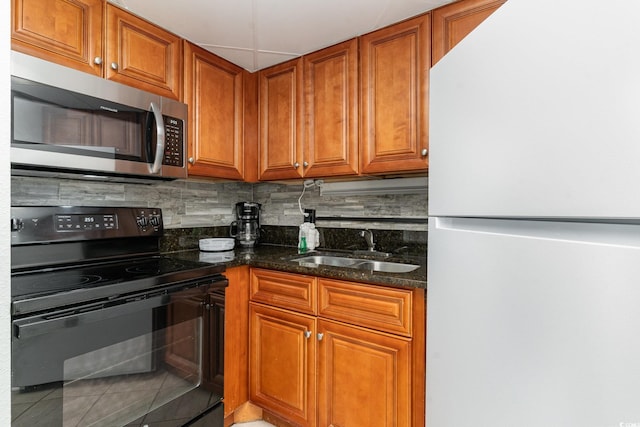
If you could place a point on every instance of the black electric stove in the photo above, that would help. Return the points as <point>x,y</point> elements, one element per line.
<point>69,255</point>
<point>96,306</point>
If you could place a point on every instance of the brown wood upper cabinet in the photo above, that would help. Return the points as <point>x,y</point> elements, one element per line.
<point>331,111</point>
<point>129,50</point>
<point>394,85</point>
<point>213,89</point>
<point>35,30</point>
<point>281,121</point>
<point>453,22</point>
<point>309,115</point>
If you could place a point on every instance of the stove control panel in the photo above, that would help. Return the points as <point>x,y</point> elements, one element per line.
<point>40,224</point>
<point>85,222</point>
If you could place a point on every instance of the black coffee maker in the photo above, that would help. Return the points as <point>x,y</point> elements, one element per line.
<point>246,227</point>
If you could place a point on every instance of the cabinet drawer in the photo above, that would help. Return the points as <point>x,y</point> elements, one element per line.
<point>376,307</point>
<point>291,291</point>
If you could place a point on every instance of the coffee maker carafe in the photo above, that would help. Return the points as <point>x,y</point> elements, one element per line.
<point>246,227</point>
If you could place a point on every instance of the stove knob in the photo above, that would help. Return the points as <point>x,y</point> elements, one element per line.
<point>142,221</point>
<point>154,220</point>
<point>16,224</point>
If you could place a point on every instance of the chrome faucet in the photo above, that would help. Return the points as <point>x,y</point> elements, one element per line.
<point>368,237</point>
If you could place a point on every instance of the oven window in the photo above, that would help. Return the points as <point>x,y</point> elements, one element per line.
<point>118,384</point>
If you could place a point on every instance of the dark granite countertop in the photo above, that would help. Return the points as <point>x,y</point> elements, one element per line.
<point>280,258</point>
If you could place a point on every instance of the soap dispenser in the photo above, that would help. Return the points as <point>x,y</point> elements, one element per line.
<point>308,237</point>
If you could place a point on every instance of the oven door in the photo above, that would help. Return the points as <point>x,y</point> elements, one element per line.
<point>135,360</point>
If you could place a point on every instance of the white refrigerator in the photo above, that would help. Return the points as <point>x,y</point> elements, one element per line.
<point>533,298</point>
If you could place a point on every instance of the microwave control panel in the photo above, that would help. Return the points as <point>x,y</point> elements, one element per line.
<point>173,141</point>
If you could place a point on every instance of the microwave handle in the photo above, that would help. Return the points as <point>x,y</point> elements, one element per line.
<point>157,161</point>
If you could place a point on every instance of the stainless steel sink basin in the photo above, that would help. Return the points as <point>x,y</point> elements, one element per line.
<point>360,264</point>
<point>334,261</point>
<point>385,266</point>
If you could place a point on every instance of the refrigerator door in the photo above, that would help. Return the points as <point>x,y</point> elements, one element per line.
<point>533,323</point>
<point>539,117</point>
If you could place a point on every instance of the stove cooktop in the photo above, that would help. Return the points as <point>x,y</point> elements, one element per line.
<point>48,288</point>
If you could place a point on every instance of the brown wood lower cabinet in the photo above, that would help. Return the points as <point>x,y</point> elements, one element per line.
<point>326,369</point>
<point>282,363</point>
<point>363,377</point>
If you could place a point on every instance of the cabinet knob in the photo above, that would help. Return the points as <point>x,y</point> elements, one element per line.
<point>424,152</point>
<point>97,60</point>
<point>296,165</point>
<point>305,164</point>
<point>307,334</point>
<point>114,65</point>
<point>191,160</point>
<point>320,336</point>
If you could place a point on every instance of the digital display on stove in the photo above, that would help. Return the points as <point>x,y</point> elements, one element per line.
<point>84,222</point>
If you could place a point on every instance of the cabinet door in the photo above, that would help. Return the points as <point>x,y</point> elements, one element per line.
<point>282,352</point>
<point>363,377</point>
<point>280,111</point>
<point>331,111</point>
<point>214,92</point>
<point>61,31</point>
<point>394,81</point>
<point>453,22</point>
<point>142,55</point>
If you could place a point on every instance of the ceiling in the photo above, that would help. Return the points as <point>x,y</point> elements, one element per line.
<point>255,34</point>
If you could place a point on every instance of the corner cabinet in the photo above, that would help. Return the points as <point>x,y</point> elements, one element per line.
<point>101,39</point>
<point>280,121</point>
<point>318,347</point>
<point>309,115</point>
<point>394,85</point>
<point>453,22</point>
<point>214,90</point>
<point>331,111</point>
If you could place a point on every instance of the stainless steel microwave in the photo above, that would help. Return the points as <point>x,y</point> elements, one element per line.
<point>66,121</point>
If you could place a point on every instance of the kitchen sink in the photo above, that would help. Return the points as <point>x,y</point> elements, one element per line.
<point>360,264</point>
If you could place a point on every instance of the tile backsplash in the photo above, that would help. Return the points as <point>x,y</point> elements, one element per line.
<point>188,203</point>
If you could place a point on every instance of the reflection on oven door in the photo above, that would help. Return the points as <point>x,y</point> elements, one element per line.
<point>141,363</point>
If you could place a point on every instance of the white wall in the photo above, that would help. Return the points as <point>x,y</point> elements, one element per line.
<point>5,111</point>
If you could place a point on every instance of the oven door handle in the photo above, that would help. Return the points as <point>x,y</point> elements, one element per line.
<point>46,323</point>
